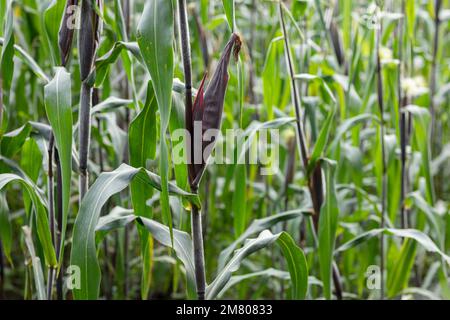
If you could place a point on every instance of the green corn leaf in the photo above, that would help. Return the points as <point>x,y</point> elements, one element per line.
<point>36,265</point>
<point>84,253</point>
<point>155,38</point>
<point>142,145</point>
<point>13,141</point>
<point>271,76</point>
<point>297,266</point>
<point>228,6</point>
<point>321,142</point>
<point>43,229</point>
<point>110,104</point>
<point>259,225</point>
<point>177,124</point>
<point>52,22</point>
<point>410,18</point>
<point>328,222</point>
<point>7,52</point>
<point>267,273</point>
<point>420,237</point>
<point>294,256</point>
<point>58,105</point>
<point>311,78</point>
<point>31,161</point>
<point>422,137</point>
<point>358,240</point>
<point>239,199</point>
<point>31,164</point>
<point>29,61</point>
<point>3,5</point>
<point>5,227</point>
<point>103,63</point>
<point>240,171</point>
<point>118,218</point>
<point>182,245</point>
<point>143,132</point>
<point>251,131</point>
<point>347,125</point>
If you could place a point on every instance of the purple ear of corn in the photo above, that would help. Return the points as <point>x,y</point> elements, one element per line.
<point>208,107</point>
<point>66,32</point>
<point>89,36</point>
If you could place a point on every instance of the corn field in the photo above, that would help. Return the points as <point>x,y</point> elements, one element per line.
<point>224,149</point>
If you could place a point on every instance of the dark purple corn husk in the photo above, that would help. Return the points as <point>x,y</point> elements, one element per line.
<point>316,186</point>
<point>208,107</point>
<point>197,109</point>
<point>89,36</point>
<point>65,35</point>
<point>215,93</point>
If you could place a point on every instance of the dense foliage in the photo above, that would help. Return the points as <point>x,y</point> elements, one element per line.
<point>352,203</point>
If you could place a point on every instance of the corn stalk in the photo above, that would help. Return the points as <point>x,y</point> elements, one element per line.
<point>196,217</point>
<point>315,182</point>
<point>89,37</point>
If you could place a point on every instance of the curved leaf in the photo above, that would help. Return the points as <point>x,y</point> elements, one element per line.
<point>182,245</point>
<point>13,141</point>
<point>155,38</point>
<point>118,217</point>
<point>293,255</point>
<point>328,222</point>
<point>234,280</point>
<point>414,234</point>
<point>110,104</point>
<point>297,265</point>
<point>52,22</point>
<point>347,125</point>
<point>257,226</point>
<point>7,52</point>
<point>29,61</point>
<point>421,136</point>
<point>103,63</point>
<point>43,229</point>
<point>35,264</point>
<point>5,227</point>
<point>84,254</point>
<point>58,105</point>
<point>142,145</point>
<point>321,142</point>
<point>228,6</point>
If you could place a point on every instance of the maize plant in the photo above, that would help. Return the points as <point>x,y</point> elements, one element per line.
<point>222,149</point>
